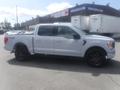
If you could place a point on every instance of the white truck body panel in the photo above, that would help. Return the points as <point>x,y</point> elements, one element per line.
<point>43,44</point>
<point>14,39</point>
<point>64,46</point>
<point>97,23</point>
<point>81,22</point>
<point>104,24</point>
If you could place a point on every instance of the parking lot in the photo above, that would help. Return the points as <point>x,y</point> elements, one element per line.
<point>57,73</point>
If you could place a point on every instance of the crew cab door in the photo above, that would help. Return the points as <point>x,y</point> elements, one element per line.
<point>65,43</point>
<point>43,41</point>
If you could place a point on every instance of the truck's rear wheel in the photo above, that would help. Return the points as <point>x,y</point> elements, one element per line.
<point>21,53</point>
<point>96,58</point>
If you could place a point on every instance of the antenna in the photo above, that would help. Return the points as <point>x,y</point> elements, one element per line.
<point>17,16</point>
<point>108,4</point>
<point>93,2</point>
<point>77,4</point>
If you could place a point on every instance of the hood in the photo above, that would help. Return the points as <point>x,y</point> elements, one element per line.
<point>98,37</point>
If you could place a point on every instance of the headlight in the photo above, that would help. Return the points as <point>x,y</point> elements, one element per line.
<point>111,44</point>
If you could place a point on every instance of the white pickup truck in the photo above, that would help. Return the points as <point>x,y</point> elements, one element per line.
<point>61,39</point>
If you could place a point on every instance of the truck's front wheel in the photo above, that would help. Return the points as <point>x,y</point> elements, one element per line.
<point>21,53</point>
<point>95,57</point>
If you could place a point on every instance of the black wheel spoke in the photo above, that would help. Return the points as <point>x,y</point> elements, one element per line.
<point>95,58</point>
<point>21,53</point>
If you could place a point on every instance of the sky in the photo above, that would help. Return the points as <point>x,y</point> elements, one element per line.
<point>28,9</point>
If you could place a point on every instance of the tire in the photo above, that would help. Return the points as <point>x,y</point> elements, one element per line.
<point>96,57</point>
<point>21,53</point>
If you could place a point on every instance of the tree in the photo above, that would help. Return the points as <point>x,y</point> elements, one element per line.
<point>17,26</point>
<point>6,25</point>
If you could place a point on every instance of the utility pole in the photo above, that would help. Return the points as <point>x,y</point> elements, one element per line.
<point>17,16</point>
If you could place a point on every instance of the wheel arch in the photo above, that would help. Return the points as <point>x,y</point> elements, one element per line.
<point>95,47</point>
<point>18,45</point>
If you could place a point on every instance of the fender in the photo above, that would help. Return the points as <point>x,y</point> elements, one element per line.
<point>19,44</point>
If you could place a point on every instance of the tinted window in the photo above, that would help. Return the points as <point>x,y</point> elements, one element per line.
<point>66,32</point>
<point>47,30</point>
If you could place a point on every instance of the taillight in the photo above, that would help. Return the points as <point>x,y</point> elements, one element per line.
<point>5,40</point>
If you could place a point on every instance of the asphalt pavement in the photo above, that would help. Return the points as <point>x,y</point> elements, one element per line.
<point>57,73</point>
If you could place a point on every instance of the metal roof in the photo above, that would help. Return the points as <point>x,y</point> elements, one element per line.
<point>89,9</point>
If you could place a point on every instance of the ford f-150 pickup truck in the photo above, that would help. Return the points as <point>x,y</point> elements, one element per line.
<point>60,39</point>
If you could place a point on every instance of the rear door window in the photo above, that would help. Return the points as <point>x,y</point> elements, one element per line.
<point>47,30</point>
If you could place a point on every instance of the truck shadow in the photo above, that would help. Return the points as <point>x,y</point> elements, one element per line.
<point>68,64</point>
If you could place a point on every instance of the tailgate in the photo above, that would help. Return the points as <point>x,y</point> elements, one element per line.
<point>8,42</point>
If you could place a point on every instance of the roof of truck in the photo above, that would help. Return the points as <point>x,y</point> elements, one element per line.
<point>55,24</point>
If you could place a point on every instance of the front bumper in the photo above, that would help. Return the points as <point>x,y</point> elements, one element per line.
<point>110,54</point>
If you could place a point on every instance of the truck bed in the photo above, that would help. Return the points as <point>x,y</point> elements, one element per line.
<point>13,39</point>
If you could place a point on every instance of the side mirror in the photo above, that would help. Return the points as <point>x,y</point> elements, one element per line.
<point>76,36</point>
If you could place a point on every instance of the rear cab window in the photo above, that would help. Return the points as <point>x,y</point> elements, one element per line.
<point>47,30</point>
